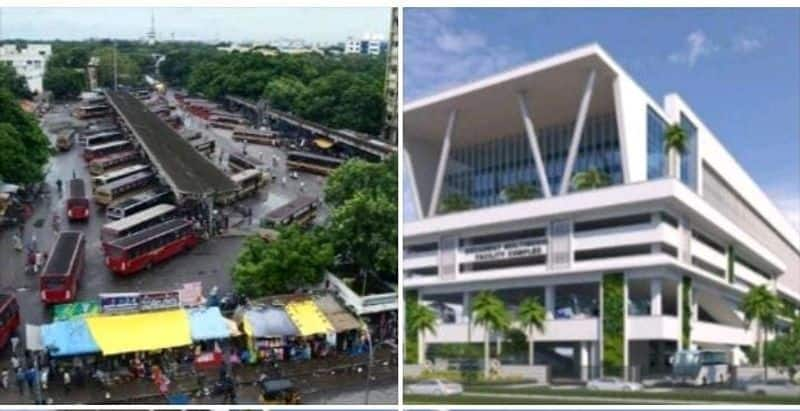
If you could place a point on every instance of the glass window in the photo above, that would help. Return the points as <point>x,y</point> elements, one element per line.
<point>656,161</point>
<point>689,158</point>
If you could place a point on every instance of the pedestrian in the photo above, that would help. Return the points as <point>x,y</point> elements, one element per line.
<point>67,381</point>
<point>302,186</point>
<point>59,185</point>
<point>45,376</point>
<point>4,379</point>
<point>20,377</point>
<point>33,242</point>
<point>14,361</point>
<point>283,181</point>
<point>249,216</point>
<point>39,262</point>
<point>17,240</point>
<point>30,377</point>
<point>14,342</point>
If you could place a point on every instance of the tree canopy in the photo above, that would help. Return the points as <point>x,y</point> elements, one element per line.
<point>64,83</point>
<point>25,149</point>
<point>296,259</point>
<point>10,80</point>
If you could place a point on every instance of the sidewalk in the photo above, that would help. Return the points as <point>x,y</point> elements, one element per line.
<point>146,391</point>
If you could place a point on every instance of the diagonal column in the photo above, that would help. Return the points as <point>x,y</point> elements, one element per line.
<point>576,134</point>
<point>530,131</point>
<point>442,166</point>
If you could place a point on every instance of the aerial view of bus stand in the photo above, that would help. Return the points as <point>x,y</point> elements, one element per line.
<point>125,293</point>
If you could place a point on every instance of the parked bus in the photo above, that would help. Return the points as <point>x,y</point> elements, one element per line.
<point>301,210</point>
<point>313,163</point>
<point>65,140</point>
<point>77,203</point>
<point>239,162</point>
<point>222,125</point>
<point>102,138</point>
<point>92,152</point>
<point>138,202</point>
<point>139,251</point>
<point>58,282</point>
<point>701,367</point>
<point>92,111</point>
<point>247,183</point>
<point>110,162</point>
<point>95,129</point>
<point>137,222</point>
<point>107,194</point>
<point>9,318</point>
<point>206,148</point>
<point>115,175</point>
<point>256,136</point>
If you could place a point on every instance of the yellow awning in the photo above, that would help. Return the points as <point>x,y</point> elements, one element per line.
<point>308,318</point>
<point>323,143</point>
<point>119,334</point>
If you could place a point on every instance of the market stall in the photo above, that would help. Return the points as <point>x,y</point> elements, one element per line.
<point>208,325</point>
<point>141,331</point>
<point>345,326</point>
<point>268,329</point>
<point>317,332</point>
<point>68,338</point>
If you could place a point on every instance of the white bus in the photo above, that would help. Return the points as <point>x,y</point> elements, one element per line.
<point>138,202</point>
<point>115,175</point>
<point>701,367</point>
<point>137,222</point>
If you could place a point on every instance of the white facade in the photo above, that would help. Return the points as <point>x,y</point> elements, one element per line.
<point>371,44</point>
<point>29,62</point>
<point>661,222</point>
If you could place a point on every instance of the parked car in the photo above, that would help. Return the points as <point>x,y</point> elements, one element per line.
<point>782,388</point>
<point>434,387</point>
<point>613,384</point>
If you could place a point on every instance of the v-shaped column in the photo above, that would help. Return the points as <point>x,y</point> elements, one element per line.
<point>442,166</point>
<point>576,134</point>
<point>530,131</point>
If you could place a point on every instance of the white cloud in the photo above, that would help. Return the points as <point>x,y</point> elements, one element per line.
<point>438,55</point>
<point>787,200</point>
<point>749,41</point>
<point>698,44</point>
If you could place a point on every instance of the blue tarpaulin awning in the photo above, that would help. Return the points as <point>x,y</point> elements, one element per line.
<point>208,324</point>
<point>71,337</point>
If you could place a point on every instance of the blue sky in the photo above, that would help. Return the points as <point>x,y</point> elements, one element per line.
<point>738,69</point>
<point>198,23</point>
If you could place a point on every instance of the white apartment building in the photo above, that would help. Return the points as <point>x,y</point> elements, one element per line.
<point>371,44</point>
<point>683,242</point>
<point>29,62</point>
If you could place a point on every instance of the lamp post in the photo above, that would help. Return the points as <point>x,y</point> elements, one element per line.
<point>369,365</point>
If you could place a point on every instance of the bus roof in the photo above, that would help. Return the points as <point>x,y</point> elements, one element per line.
<point>63,253</point>
<point>107,145</point>
<point>125,180</point>
<point>76,188</point>
<point>138,218</point>
<point>288,209</point>
<point>244,175</point>
<point>105,133</point>
<point>144,235</point>
<point>114,156</point>
<point>139,197</point>
<point>244,159</point>
<point>314,156</point>
<point>124,171</point>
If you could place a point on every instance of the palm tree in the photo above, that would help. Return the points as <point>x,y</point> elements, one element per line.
<point>676,141</point>
<point>762,306</point>
<point>419,320</point>
<point>531,315</point>
<point>490,312</point>
<point>590,179</point>
<point>454,202</point>
<point>519,192</point>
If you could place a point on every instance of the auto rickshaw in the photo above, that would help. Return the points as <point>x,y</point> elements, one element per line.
<point>279,392</point>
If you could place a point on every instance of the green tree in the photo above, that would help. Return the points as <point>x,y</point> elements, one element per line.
<point>296,259</point>
<point>283,93</point>
<point>363,232</point>
<point>784,351</point>
<point>761,306</point>
<point>128,70</point>
<point>676,142</point>
<point>419,320</point>
<point>357,175</point>
<point>13,82</point>
<point>531,315</point>
<point>31,149</point>
<point>454,202</point>
<point>590,179</point>
<point>490,312</point>
<point>64,83</point>
<point>520,192</point>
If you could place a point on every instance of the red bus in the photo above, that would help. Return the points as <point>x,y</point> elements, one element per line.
<point>77,203</point>
<point>59,280</point>
<point>9,318</point>
<point>139,251</point>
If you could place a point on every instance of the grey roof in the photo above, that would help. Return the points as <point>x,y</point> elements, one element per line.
<point>270,322</point>
<point>186,170</point>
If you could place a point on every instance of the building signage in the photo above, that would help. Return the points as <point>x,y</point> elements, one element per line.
<point>133,302</point>
<point>504,251</point>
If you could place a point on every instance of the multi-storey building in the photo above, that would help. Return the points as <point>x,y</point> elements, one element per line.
<point>371,44</point>
<point>29,61</point>
<point>390,83</point>
<point>658,260</point>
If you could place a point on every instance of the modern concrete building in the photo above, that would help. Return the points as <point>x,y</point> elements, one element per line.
<point>657,260</point>
<point>29,61</point>
<point>372,44</point>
